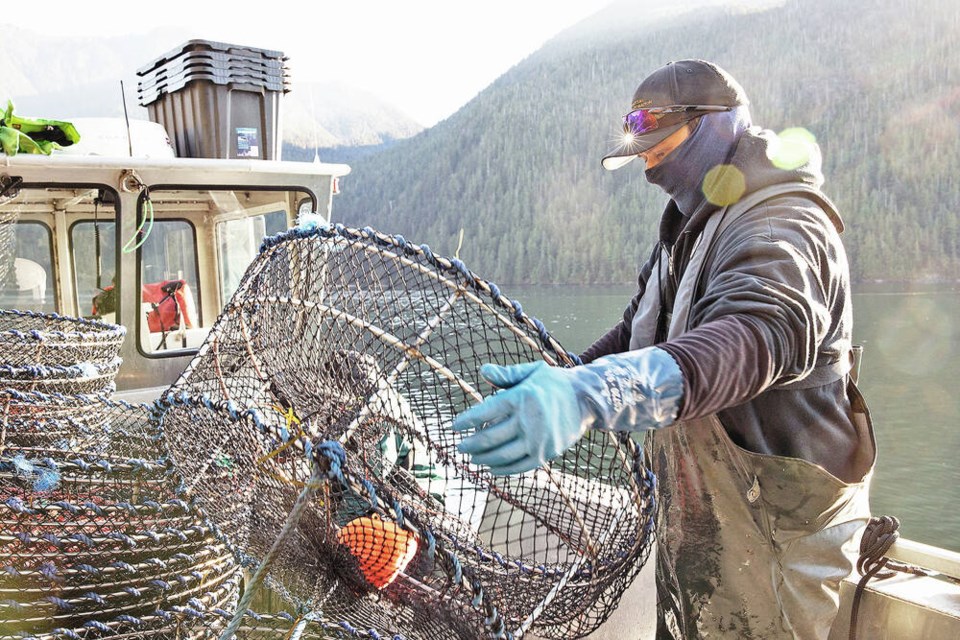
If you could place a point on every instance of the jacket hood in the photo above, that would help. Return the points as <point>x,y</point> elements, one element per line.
<point>762,158</point>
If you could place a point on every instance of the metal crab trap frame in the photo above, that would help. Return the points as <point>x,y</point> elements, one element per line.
<point>340,362</point>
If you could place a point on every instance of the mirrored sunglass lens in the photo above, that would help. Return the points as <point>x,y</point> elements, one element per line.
<point>639,121</point>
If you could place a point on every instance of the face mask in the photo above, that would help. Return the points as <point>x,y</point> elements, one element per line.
<point>712,143</point>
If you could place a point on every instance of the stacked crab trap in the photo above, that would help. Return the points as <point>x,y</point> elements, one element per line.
<point>306,452</point>
<point>93,539</point>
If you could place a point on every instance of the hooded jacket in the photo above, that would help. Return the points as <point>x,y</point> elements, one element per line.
<point>774,304</point>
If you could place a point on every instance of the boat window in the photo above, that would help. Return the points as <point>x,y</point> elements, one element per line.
<point>95,270</point>
<point>238,242</point>
<point>26,266</point>
<point>191,265</point>
<point>170,317</point>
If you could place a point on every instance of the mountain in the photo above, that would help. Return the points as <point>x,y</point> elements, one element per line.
<point>67,78</point>
<point>517,169</point>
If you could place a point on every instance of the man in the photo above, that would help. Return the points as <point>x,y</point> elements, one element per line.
<point>735,355</point>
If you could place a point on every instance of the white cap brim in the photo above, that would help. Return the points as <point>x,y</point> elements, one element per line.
<point>612,163</point>
<point>626,152</point>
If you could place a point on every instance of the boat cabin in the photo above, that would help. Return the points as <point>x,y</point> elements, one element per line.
<point>156,244</point>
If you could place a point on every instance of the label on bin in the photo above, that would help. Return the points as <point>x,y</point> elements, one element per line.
<point>248,142</point>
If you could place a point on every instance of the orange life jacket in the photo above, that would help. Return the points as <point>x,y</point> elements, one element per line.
<point>171,301</point>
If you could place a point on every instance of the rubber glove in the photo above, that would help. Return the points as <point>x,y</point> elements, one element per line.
<point>541,411</point>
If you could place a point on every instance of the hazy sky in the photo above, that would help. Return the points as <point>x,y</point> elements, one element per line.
<point>426,57</point>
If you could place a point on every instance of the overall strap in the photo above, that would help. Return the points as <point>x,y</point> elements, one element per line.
<point>718,223</point>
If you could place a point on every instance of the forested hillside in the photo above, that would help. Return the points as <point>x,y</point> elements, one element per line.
<point>518,168</point>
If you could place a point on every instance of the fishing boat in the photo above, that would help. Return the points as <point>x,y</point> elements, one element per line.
<point>122,227</point>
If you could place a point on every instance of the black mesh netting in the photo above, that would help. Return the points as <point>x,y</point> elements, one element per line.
<point>311,438</point>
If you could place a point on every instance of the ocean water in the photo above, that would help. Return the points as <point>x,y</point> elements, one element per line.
<point>910,377</point>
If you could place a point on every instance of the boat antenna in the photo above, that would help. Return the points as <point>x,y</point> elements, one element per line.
<point>126,117</point>
<point>313,118</point>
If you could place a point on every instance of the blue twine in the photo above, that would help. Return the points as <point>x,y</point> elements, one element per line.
<point>457,569</point>
<point>17,505</point>
<point>165,615</point>
<point>179,503</point>
<point>120,537</point>
<point>337,456</point>
<point>12,604</point>
<point>461,268</point>
<point>431,543</point>
<point>398,510</point>
<point>60,603</point>
<point>371,492</point>
<point>126,506</point>
<point>176,532</point>
<point>48,570</point>
<point>72,508</point>
<point>193,613</point>
<point>52,539</point>
<point>93,507</point>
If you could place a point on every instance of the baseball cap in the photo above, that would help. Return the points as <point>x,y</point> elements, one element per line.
<point>667,99</point>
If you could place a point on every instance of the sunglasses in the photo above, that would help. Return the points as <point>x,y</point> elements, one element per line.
<point>640,121</point>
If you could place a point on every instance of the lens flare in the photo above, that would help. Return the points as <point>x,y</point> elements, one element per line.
<point>923,353</point>
<point>791,148</point>
<point>724,184</point>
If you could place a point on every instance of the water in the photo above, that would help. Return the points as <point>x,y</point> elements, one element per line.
<point>909,376</point>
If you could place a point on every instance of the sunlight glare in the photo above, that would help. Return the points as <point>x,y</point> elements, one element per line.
<point>791,148</point>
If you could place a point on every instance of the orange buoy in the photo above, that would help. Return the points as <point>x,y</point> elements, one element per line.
<point>382,549</point>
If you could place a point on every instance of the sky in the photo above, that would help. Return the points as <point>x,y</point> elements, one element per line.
<point>426,57</point>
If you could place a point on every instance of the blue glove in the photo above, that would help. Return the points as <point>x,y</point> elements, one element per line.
<point>541,411</point>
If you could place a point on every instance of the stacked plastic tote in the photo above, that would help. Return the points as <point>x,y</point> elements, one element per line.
<point>217,100</point>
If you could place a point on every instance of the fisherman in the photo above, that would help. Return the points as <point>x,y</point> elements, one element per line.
<point>735,357</point>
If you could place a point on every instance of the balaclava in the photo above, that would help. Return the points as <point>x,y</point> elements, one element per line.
<point>711,143</point>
